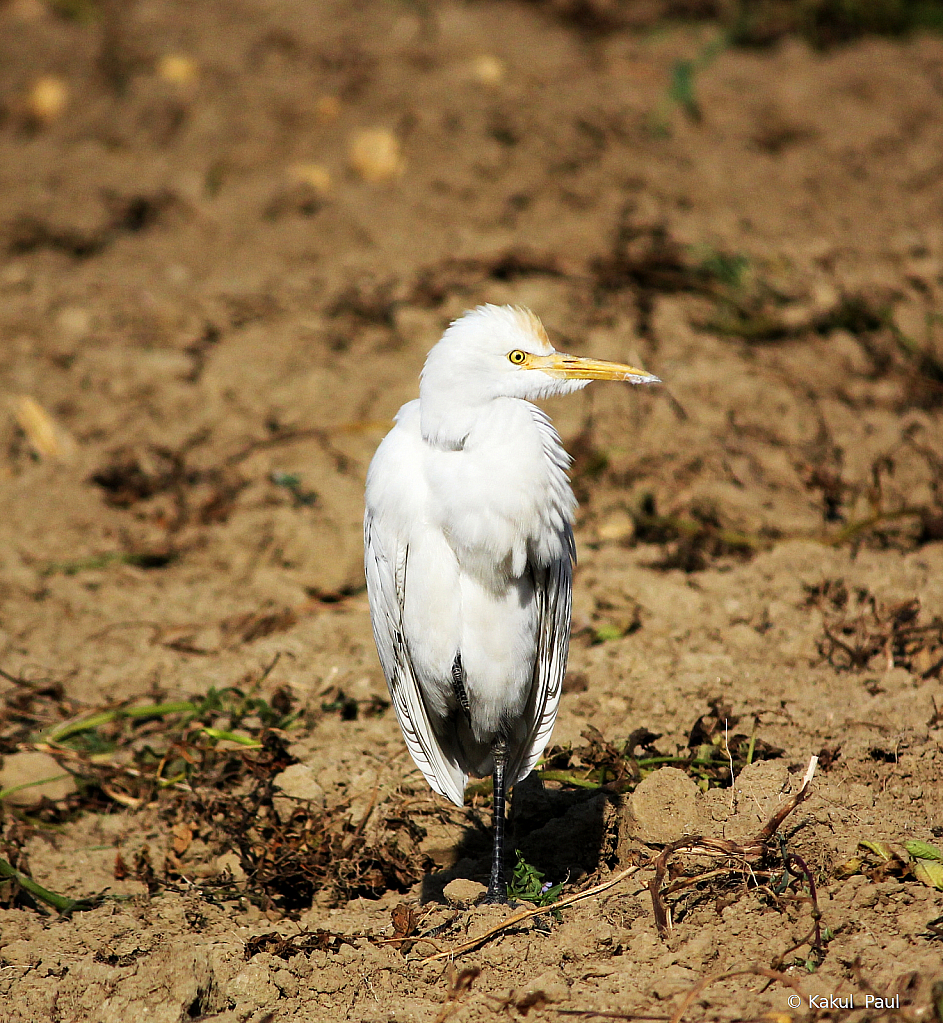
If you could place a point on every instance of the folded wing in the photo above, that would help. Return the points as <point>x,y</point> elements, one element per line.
<point>385,565</point>
<point>553,592</point>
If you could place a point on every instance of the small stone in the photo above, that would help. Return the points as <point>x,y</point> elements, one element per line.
<point>761,788</point>
<point>300,966</point>
<point>462,892</point>
<point>31,768</point>
<point>253,987</point>
<point>376,156</point>
<point>47,99</point>
<point>488,69</point>
<point>299,782</point>
<point>284,807</point>
<point>178,69</point>
<point>618,525</point>
<point>231,863</point>
<point>763,781</point>
<point>758,792</point>
<point>286,982</point>
<point>663,808</point>
<point>74,322</point>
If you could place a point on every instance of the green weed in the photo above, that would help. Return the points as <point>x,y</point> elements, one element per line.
<point>528,885</point>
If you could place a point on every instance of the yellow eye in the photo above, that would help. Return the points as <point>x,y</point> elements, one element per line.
<point>517,357</point>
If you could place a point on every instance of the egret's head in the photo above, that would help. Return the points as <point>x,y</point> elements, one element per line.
<point>502,352</point>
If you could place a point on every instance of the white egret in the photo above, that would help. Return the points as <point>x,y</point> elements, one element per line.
<point>469,552</point>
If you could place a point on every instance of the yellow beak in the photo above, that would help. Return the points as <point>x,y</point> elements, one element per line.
<point>572,367</point>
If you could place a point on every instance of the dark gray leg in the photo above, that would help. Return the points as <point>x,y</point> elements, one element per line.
<point>497,886</point>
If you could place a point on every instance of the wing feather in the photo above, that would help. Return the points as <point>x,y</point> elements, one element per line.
<point>553,587</point>
<point>385,562</point>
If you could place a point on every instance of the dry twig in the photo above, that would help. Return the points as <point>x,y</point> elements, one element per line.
<point>756,971</point>
<point>527,914</point>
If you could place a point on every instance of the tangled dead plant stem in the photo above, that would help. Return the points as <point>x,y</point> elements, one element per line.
<point>741,853</point>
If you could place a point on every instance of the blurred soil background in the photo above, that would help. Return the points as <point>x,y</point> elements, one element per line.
<point>229,232</point>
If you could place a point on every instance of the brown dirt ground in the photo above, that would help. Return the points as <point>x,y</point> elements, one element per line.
<point>194,308</point>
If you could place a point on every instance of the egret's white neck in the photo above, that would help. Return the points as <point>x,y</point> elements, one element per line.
<point>453,395</point>
<point>446,419</point>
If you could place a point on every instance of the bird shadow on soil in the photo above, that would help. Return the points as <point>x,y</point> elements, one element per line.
<point>566,834</point>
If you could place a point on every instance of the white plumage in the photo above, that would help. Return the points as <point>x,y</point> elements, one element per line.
<point>469,550</point>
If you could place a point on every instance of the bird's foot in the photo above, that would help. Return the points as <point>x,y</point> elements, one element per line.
<point>497,893</point>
